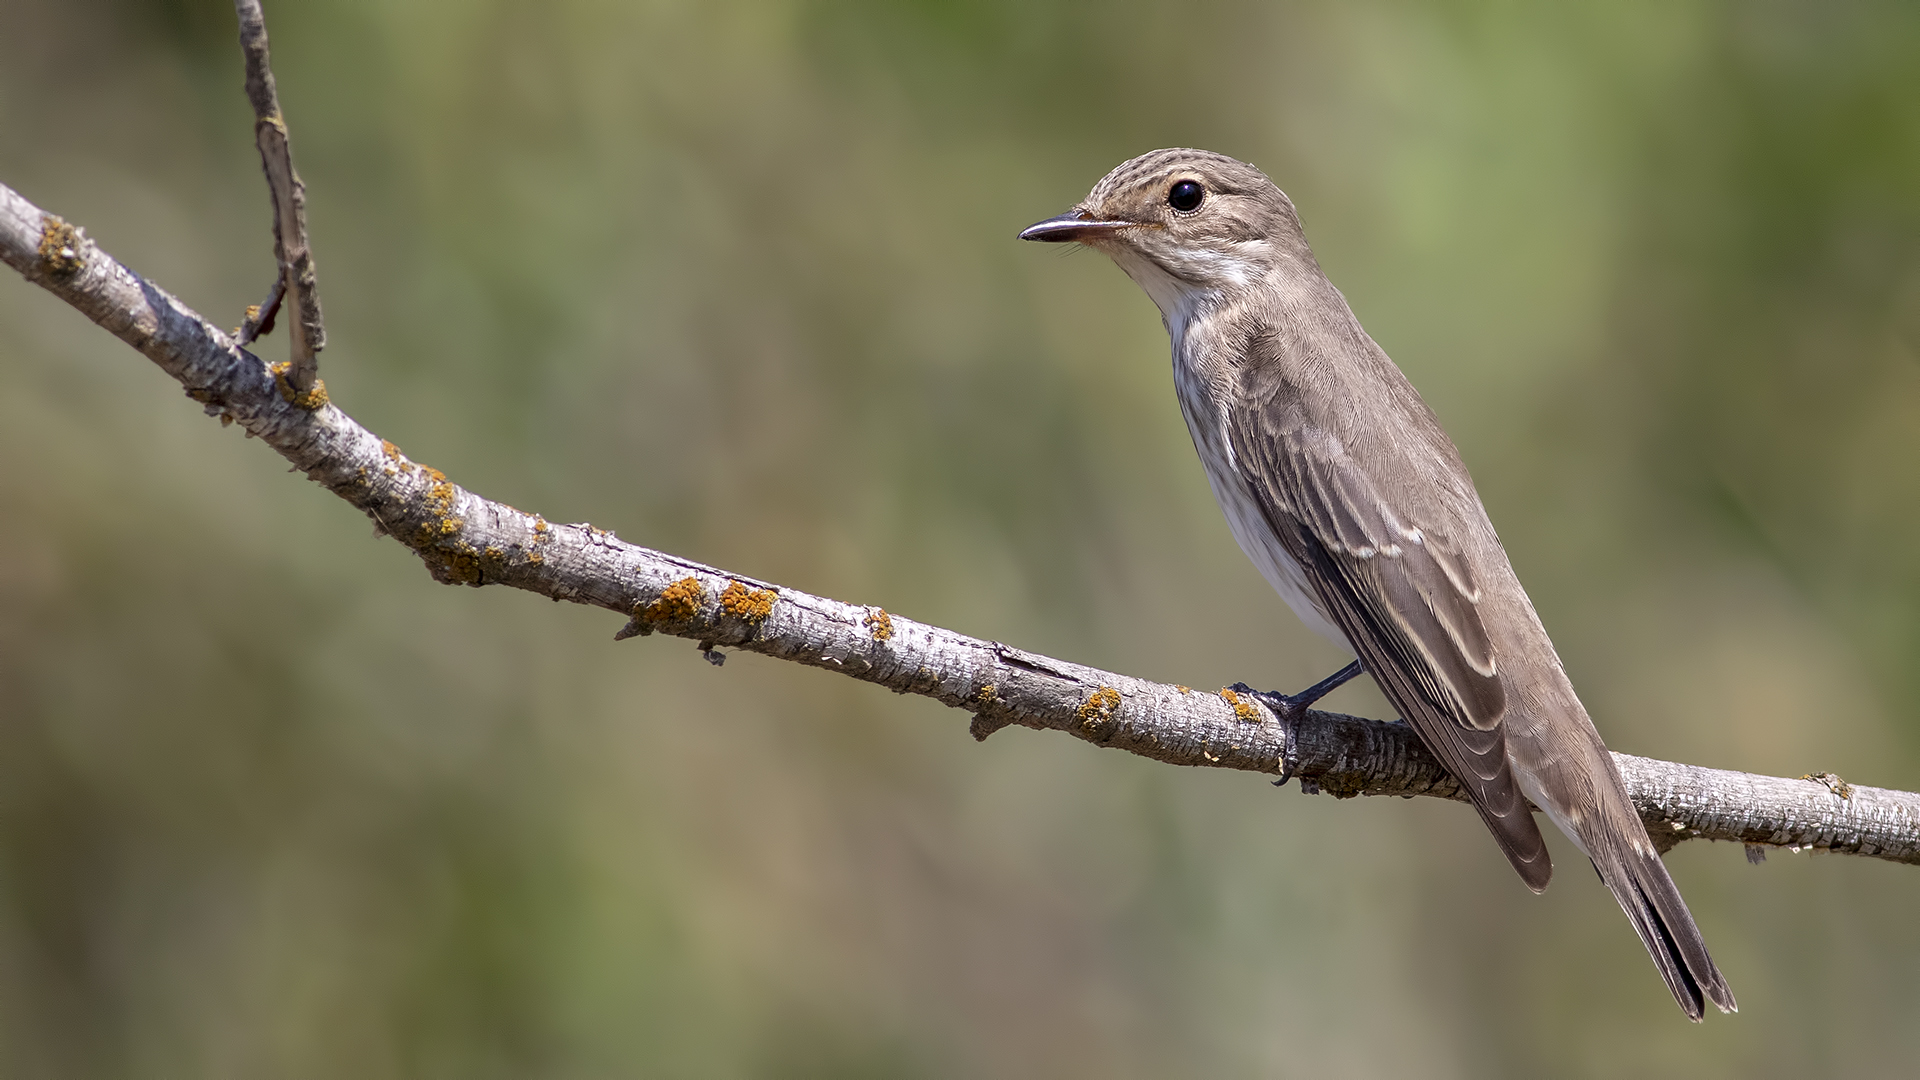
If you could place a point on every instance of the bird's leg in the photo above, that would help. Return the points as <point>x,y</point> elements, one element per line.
<point>1291,707</point>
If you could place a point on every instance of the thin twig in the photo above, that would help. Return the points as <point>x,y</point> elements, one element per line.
<point>465,539</point>
<point>289,195</point>
<point>258,322</point>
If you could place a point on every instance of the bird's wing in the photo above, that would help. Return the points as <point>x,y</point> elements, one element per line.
<point>1396,582</point>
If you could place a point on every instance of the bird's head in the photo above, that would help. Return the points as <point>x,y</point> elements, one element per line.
<point>1182,223</point>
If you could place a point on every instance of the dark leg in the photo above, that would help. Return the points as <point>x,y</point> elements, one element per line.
<point>1288,706</point>
<point>1291,707</point>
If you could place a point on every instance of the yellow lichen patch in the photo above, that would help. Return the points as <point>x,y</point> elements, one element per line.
<point>458,564</point>
<point>391,451</point>
<point>439,503</point>
<point>440,499</point>
<point>308,400</point>
<point>880,623</point>
<point>1342,785</point>
<point>1183,689</point>
<point>1833,783</point>
<point>985,696</point>
<point>1098,708</point>
<point>542,535</point>
<point>1240,708</point>
<point>741,602</point>
<point>678,602</point>
<point>59,247</point>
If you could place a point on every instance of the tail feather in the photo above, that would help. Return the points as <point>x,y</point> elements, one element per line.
<point>1640,882</point>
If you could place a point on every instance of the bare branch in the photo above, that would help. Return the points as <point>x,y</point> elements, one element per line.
<point>467,540</point>
<point>290,249</point>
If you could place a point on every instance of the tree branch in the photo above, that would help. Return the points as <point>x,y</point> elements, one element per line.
<point>296,280</point>
<point>467,540</point>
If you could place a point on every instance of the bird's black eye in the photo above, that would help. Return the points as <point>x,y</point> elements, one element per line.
<point>1185,196</point>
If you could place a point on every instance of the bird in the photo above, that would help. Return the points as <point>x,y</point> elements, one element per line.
<point>1341,486</point>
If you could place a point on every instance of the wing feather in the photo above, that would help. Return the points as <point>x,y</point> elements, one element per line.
<point>1407,572</point>
<point>1405,597</point>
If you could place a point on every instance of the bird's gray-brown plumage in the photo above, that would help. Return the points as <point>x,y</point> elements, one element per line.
<point>1340,484</point>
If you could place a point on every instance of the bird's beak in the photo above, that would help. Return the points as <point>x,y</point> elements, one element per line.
<point>1073,226</point>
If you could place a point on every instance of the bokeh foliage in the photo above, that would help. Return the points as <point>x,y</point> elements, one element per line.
<point>738,280</point>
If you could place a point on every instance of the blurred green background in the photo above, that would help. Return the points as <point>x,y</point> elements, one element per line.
<point>739,281</point>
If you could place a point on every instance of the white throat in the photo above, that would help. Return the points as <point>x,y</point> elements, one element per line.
<point>1177,299</point>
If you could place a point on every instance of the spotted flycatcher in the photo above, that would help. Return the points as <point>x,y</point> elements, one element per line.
<point>1340,485</point>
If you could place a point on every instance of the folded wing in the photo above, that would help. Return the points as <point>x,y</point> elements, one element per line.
<point>1395,581</point>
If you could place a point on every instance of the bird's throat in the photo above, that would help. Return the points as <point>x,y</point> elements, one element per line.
<point>1179,300</point>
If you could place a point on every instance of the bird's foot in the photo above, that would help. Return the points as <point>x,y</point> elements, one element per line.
<point>1289,708</point>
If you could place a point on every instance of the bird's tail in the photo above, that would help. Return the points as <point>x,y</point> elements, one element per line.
<point>1633,872</point>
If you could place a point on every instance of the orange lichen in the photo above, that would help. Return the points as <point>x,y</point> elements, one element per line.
<point>59,248</point>
<point>1240,708</point>
<point>308,400</point>
<point>457,563</point>
<point>1183,689</point>
<point>880,623</point>
<point>678,602</point>
<point>742,602</point>
<point>1098,708</point>
<point>462,564</point>
<point>440,498</point>
<point>542,535</point>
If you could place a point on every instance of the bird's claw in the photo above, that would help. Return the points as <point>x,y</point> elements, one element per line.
<point>1289,708</point>
<point>1288,711</point>
<point>1285,706</point>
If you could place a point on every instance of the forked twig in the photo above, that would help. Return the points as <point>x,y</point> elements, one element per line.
<point>290,248</point>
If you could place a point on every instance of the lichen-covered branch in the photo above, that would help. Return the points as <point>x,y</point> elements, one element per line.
<point>468,540</point>
<point>296,280</point>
